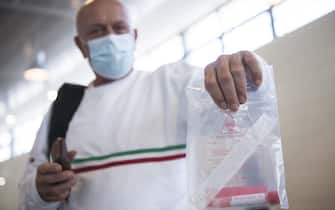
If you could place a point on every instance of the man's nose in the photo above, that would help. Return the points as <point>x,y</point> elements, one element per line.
<point>109,30</point>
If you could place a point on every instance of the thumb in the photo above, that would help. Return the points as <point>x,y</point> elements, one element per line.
<point>71,154</point>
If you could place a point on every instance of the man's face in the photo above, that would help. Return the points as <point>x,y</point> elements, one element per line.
<point>100,18</point>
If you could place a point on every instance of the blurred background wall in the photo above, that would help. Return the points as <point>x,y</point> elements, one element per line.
<point>304,63</point>
<point>296,36</point>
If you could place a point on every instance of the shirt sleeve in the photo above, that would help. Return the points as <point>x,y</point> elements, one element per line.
<point>29,198</point>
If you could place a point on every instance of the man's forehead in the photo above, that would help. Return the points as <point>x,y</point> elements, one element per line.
<point>91,1</point>
<point>93,4</point>
<point>97,9</point>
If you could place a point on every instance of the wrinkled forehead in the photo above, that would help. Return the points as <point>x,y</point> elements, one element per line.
<point>101,12</point>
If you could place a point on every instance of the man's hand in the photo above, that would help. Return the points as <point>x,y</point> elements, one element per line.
<point>52,183</point>
<point>226,78</point>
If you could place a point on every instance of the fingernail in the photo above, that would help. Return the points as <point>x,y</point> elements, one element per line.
<point>258,82</point>
<point>234,107</point>
<point>223,105</point>
<point>242,99</point>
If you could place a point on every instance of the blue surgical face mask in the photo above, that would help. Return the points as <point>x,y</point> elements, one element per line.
<point>112,56</point>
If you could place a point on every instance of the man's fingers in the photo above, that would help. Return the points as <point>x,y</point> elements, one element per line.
<point>238,72</point>
<point>52,183</point>
<point>56,178</point>
<point>226,82</point>
<point>49,168</point>
<point>56,192</point>
<point>66,186</point>
<point>212,86</point>
<point>251,62</point>
<point>59,197</point>
<point>64,196</point>
<point>61,188</point>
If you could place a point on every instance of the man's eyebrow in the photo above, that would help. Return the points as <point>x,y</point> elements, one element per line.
<point>93,25</point>
<point>120,22</point>
<point>97,25</point>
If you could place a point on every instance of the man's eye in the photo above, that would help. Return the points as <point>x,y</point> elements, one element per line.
<point>120,28</point>
<point>95,31</point>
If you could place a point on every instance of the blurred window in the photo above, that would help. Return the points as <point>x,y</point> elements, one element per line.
<point>238,11</point>
<point>293,14</point>
<point>206,54</point>
<point>202,32</point>
<point>249,36</point>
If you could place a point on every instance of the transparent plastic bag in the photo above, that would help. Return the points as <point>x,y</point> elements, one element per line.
<point>235,159</point>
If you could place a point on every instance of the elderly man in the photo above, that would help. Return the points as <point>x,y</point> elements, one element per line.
<point>129,132</point>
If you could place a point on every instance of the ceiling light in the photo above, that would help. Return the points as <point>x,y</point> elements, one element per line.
<point>37,71</point>
<point>36,74</point>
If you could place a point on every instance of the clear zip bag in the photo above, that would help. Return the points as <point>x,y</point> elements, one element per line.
<point>235,159</point>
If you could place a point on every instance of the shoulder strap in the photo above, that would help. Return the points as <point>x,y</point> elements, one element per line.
<point>63,108</point>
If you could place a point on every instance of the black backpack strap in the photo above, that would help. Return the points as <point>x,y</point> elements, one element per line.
<point>63,108</point>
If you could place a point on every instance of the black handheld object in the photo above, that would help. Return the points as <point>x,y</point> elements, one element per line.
<point>59,154</point>
<point>67,102</point>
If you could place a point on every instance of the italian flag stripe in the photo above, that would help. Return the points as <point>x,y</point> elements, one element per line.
<point>129,157</point>
<point>127,162</point>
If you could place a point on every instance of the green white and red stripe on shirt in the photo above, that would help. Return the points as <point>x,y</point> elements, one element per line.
<point>138,156</point>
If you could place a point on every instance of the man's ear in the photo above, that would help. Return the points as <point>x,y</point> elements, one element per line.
<point>82,47</point>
